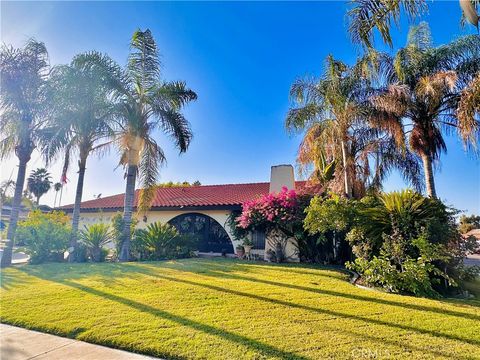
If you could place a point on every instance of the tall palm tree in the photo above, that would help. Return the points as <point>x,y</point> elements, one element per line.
<point>144,103</point>
<point>424,92</point>
<point>57,187</point>
<point>39,183</point>
<point>339,142</point>
<point>23,76</point>
<point>81,123</point>
<point>366,16</point>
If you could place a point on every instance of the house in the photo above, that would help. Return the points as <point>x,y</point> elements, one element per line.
<point>475,233</point>
<point>203,210</point>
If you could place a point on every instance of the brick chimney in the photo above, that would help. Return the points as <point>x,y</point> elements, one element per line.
<point>280,176</point>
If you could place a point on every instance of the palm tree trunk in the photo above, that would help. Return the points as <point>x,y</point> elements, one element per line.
<point>128,211</point>
<point>429,180</point>
<point>60,199</point>
<point>17,201</point>
<point>348,189</point>
<point>55,200</point>
<point>76,208</point>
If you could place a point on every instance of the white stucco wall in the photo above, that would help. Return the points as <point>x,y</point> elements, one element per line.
<point>163,216</point>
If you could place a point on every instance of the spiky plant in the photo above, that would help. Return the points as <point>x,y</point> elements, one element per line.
<point>144,103</point>
<point>94,238</point>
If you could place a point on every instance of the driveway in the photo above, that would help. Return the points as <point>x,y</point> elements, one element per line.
<point>17,257</point>
<point>472,260</point>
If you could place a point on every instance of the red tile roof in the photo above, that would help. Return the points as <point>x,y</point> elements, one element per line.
<point>193,196</point>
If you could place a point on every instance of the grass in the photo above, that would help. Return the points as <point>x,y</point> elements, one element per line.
<point>225,309</point>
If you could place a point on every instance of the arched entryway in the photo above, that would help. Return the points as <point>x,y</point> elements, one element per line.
<point>211,235</point>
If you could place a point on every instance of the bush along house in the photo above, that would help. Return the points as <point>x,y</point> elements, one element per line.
<point>204,211</point>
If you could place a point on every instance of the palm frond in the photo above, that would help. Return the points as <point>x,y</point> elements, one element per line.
<point>366,16</point>
<point>143,61</point>
<point>468,113</point>
<point>177,126</point>
<point>151,159</point>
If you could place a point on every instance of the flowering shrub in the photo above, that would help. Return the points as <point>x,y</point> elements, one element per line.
<point>275,210</point>
<point>45,235</point>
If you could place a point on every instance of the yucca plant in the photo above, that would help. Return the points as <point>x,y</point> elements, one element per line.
<point>94,238</point>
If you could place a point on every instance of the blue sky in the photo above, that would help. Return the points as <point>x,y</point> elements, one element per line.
<point>241,58</point>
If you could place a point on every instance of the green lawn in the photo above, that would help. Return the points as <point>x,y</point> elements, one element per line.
<point>225,309</point>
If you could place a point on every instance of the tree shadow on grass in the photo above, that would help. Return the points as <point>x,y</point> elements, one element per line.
<point>308,308</point>
<point>144,269</point>
<point>218,272</point>
<point>9,280</point>
<point>468,316</point>
<point>264,349</point>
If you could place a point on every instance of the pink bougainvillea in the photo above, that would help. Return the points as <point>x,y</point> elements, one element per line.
<point>269,210</point>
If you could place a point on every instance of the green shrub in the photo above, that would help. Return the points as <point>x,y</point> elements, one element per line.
<point>406,243</point>
<point>399,273</point>
<point>162,241</point>
<point>117,230</point>
<point>45,236</point>
<point>326,223</point>
<point>94,238</point>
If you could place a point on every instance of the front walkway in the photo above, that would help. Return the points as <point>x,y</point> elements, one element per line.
<point>20,344</point>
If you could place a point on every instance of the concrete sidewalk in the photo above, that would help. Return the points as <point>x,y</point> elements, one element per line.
<point>20,344</point>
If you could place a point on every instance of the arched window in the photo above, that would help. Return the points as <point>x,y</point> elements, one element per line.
<point>212,237</point>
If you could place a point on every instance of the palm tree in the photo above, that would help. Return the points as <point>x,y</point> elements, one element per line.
<point>424,87</point>
<point>144,103</point>
<point>23,75</point>
<point>39,182</point>
<point>81,120</point>
<point>57,187</point>
<point>366,16</point>
<point>339,143</point>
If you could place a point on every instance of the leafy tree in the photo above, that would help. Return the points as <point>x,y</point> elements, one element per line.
<point>81,122</point>
<point>178,184</point>
<point>468,223</point>
<point>339,142</point>
<point>366,16</point>
<point>424,86</point>
<point>144,103</point>
<point>23,76</point>
<point>94,238</point>
<point>332,214</point>
<point>39,183</point>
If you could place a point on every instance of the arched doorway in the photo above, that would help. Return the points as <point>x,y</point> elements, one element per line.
<point>212,237</point>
